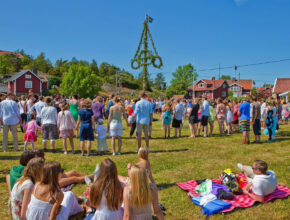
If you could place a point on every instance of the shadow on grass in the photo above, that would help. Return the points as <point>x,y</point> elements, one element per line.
<point>5,171</point>
<point>94,152</point>
<point>2,179</point>
<point>277,140</point>
<point>3,157</point>
<point>284,133</point>
<point>165,151</point>
<point>11,143</point>
<point>162,186</point>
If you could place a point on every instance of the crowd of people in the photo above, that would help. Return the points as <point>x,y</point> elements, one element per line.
<point>37,187</point>
<point>67,118</point>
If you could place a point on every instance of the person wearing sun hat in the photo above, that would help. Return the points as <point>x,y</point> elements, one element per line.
<point>244,113</point>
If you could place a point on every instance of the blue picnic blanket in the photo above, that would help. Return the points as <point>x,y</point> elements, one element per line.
<point>212,207</point>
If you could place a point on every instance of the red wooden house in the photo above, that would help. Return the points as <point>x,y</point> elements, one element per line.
<point>242,87</point>
<point>213,89</point>
<point>22,82</point>
<point>282,88</point>
<point>265,91</point>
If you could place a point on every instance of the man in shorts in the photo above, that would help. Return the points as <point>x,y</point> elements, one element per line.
<point>144,114</point>
<point>256,120</point>
<point>244,113</point>
<point>177,118</point>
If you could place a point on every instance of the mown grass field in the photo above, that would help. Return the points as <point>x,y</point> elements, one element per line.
<point>178,160</point>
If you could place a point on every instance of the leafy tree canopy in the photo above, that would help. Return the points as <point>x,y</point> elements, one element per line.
<point>82,81</point>
<point>183,77</point>
<point>159,82</point>
<point>226,77</point>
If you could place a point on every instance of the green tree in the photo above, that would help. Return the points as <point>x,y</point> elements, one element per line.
<point>103,69</point>
<point>159,82</point>
<point>54,81</point>
<point>9,63</point>
<point>128,80</point>
<point>80,80</point>
<point>182,79</point>
<point>41,63</point>
<point>25,61</point>
<point>94,67</point>
<point>254,91</point>
<point>226,77</point>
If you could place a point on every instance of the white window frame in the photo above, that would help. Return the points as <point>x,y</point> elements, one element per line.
<point>224,93</point>
<point>201,85</point>
<point>27,76</point>
<point>224,85</point>
<point>28,84</point>
<point>236,88</point>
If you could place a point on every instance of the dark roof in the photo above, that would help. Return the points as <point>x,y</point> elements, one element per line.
<point>17,75</point>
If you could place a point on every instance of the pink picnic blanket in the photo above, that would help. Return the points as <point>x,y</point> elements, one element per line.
<point>240,201</point>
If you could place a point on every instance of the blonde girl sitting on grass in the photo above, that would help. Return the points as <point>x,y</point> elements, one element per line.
<point>140,195</point>
<point>143,155</point>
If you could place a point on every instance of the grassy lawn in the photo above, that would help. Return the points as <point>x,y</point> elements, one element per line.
<point>178,160</point>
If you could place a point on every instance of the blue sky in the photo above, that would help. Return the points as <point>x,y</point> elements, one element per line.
<point>205,33</point>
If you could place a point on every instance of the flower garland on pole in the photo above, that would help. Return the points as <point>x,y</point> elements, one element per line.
<point>144,57</point>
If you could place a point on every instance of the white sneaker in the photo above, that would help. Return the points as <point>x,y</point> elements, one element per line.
<point>88,180</point>
<point>114,154</point>
<point>65,152</point>
<point>240,166</point>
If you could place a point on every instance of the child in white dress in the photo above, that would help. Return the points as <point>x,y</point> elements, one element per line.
<point>48,198</point>
<point>101,131</point>
<point>229,117</point>
<point>22,190</point>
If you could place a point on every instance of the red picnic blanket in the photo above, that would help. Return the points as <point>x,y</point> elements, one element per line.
<point>240,201</point>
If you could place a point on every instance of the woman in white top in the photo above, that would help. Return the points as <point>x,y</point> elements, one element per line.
<point>48,202</point>
<point>29,105</point>
<point>139,196</point>
<point>49,124</point>
<point>106,193</point>
<point>229,116</point>
<point>22,110</point>
<point>115,126</point>
<point>22,190</point>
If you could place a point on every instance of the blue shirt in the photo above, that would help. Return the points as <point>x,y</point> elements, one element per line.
<point>179,110</point>
<point>37,107</point>
<point>244,110</point>
<point>9,112</point>
<point>205,108</point>
<point>143,110</point>
<point>110,104</point>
